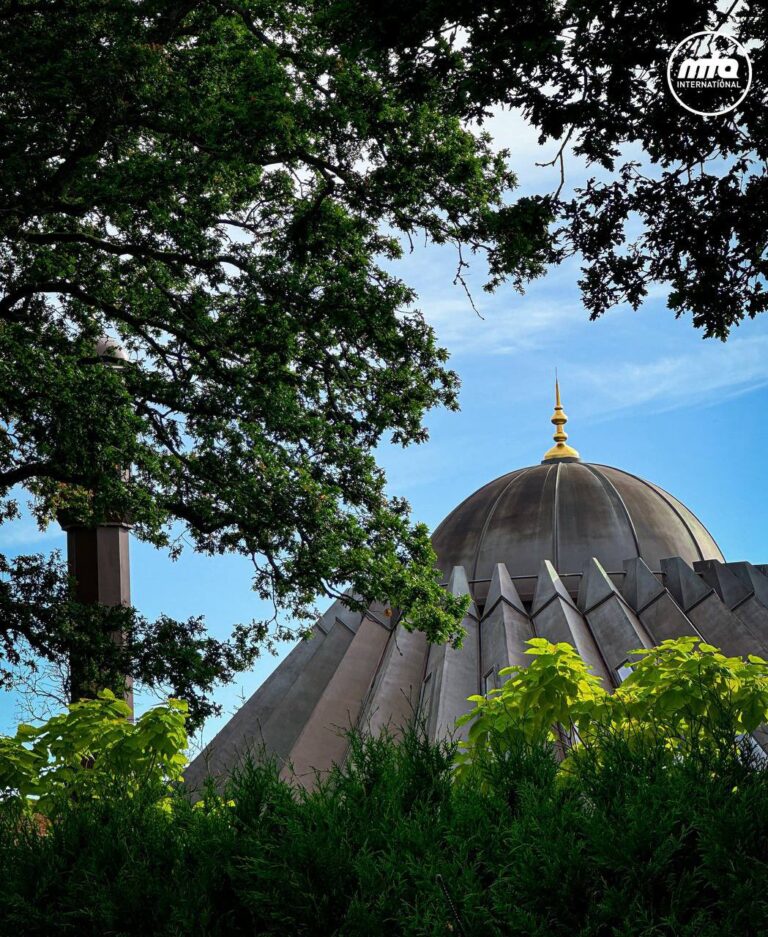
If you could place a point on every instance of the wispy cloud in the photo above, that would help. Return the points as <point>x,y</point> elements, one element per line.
<point>713,372</point>
<point>501,328</point>
<point>25,532</point>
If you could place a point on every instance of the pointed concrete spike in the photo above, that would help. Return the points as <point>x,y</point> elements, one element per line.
<point>683,582</point>
<point>383,614</point>
<point>339,612</point>
<point>548,585</point>
<point>321,742</point>
<point>556,618</point>
<point>640,586</point>
<point>741,633</point>
<point>505,628</point>
<point>502,587</point>
<point>756,580</point>
<point>278,711</point>
<point>724,581</point>
<point>615,627</point>
<point>660,614</point>
<point>451,676</point>
<point>452,673</point>
<point>394,695</point>
<point>458,584</point>
<point>740,597</point>
<point>595,586</point>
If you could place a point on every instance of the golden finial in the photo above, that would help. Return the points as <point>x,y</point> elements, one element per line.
<point>560,450</point>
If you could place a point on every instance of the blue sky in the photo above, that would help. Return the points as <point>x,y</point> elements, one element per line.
<point>642,390</point>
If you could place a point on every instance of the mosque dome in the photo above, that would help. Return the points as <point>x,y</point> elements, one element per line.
<point>109,351</point>
<point>567,511</point>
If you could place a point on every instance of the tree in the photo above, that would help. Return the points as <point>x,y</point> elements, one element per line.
<point>44,627</point>
<point>221,190</point>
<point>684,204</point>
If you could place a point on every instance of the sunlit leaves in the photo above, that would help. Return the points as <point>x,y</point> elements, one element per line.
<point>91,749</point>
<point>684,693</point>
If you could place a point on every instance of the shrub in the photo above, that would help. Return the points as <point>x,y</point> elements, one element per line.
<point>91,749</point>
<point>679,697</point>
<point>390,844</point>
<point>633,839</point>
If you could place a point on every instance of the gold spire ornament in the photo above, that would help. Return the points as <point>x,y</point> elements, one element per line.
<point>560,450</point>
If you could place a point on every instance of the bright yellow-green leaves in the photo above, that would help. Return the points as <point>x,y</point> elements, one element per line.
<point>91,748</point>
<point>684,692</point>
<point>557,688</point>
<point>688,689</point>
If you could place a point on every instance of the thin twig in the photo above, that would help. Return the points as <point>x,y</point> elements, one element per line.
<point>559,156</point>
<point>451,905</point>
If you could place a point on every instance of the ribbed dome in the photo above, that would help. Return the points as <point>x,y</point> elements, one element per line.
<point>568,512</point>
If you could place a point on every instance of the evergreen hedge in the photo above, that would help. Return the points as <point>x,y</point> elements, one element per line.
<point>391,844</point>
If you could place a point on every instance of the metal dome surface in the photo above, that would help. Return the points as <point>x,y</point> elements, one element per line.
<point>568,512</point>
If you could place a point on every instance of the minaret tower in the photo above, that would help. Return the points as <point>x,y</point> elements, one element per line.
<point>98,556</point>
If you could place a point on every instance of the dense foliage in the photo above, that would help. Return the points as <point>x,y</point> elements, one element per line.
<point>679,200</point>
<point>93,751</point>
<point>684,696</point>
<point>629,837</point>
<point>219,188</point>
<point>633,845</point>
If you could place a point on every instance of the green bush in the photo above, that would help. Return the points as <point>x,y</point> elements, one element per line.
<point>656,824</point>
<point>682,696</point>
<point>633,845</point>
<point>92,751</point>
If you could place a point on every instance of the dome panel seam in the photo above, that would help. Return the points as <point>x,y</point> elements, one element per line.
<point>665,497</point>
<point>605,481</point>
<point>491,511</point>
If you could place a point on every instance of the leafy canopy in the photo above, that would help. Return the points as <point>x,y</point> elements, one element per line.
<point>680,199</point>
<point>684,693</point>
<point>221,189</point>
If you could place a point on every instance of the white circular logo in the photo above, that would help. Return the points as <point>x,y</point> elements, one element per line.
<point>709,73</point>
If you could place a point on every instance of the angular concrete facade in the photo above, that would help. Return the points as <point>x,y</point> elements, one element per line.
<point>567,551</point>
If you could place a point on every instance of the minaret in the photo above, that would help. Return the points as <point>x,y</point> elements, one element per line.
<point>560,451</point>
<point>98,556</point>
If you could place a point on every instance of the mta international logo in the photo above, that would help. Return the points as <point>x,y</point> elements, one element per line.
<point>709,73</point>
